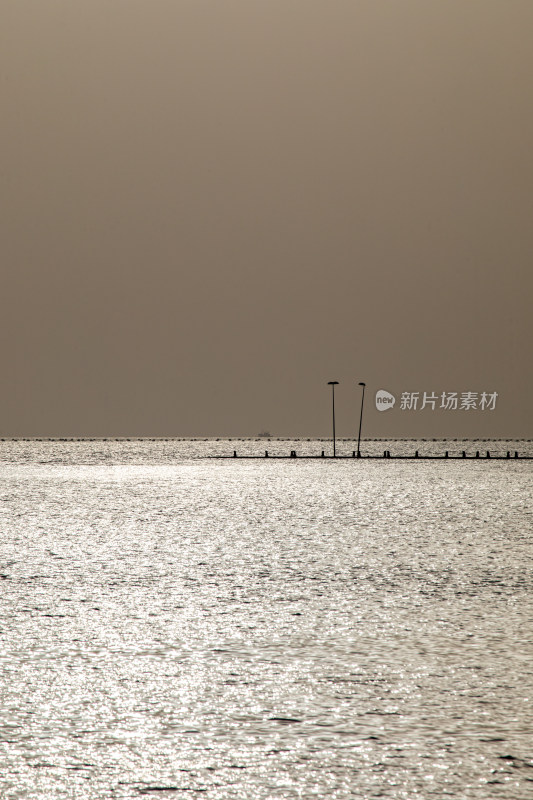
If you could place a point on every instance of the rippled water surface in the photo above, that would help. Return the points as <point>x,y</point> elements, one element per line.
<point>173,627</point>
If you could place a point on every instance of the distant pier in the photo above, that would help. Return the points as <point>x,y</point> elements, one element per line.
<point>463,456</point>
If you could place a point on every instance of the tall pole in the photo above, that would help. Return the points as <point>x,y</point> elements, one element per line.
<point>333,384</point>
<point>360,420</point>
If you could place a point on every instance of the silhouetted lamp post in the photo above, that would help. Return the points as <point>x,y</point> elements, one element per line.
<point>333,384</point>
<point>360,419</point>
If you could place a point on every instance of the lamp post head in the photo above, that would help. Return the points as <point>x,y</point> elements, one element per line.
<point>361,383</point>
<point>332,383</point>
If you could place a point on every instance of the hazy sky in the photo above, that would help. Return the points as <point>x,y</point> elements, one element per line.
<point>210,209</point>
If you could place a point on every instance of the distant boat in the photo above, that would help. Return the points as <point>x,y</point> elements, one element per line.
<point>264,435</point>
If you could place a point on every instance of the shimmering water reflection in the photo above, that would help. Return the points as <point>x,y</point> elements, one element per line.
<point>266,630</point>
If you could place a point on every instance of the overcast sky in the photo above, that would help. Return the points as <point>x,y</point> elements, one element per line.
<point>210,209</point>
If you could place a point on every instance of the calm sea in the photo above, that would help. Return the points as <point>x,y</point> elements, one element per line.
<point>178,627</point>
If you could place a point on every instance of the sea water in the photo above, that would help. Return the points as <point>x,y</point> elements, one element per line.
<point>174,626</point>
